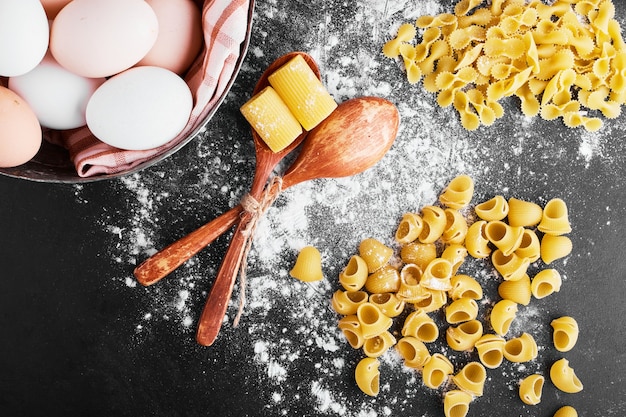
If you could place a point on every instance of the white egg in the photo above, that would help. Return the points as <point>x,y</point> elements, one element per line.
<point>58,97</point>
<point>140,108</point>
<point>24,36</point>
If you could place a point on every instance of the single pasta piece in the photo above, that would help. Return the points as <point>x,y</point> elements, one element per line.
<point>347,302</point>
<point>418,253</point>
<point>465,335</point>
<point>409,228</point>
<point>458,193</point>
<point>506,238</point>
<point>471,378</point>
<point>464,286</point>
<point>373,321</point>
<point>433,300</point>
<point>565,333</point>
<point>545,282</point>
<point>413,351</point>
<point>502,316</point>
<point>303,92</point>
<point>436,370</point>
<point>437,275</point>
<point>511,267</point>
<point>566,411</point>
<point>367,376</point>
<point>531,388</point>
<point>384,279</point>
<point>490,348</point>
<point>554,247</point>
<point>555,220</point>
<point>456,227</point>
<point>375,253</point>
<point>523,213</point>
<point>530,246</point>
<point>455,253</point>
<point>476,241</point>
<point>377,345</point>
<point>434,219</point>
<point>354,275</point>
<point>388,303</point>
<point>308,265</point>
<point>460,310</point>
<point>270,117</point>
<point>421,326</point>
<point>564,378</point>
<point>456,403</point>
<point>516,291</point>
<point>521,349</point>
<point>494,209</point>
<point>410,289</point>
<point>350,326</point>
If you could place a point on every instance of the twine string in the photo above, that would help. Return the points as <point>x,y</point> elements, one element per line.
<point>256,209</point>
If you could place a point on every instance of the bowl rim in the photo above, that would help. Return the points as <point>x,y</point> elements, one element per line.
<point>24,172</point>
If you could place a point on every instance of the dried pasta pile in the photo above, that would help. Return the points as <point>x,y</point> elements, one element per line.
<point>560,60</point>
<point>379,289</point>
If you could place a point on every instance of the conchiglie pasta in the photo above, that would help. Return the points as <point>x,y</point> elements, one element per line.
<point>434,223</point>
<point>546,282</point>
<point>464,286</point>
<point>531,388</point>
<point>494,209</point>
<point>308,266</point>
<point>409,228</point>
<point>523,213</point>
<point>367,376</point>
<point>420,254</point>
<point>566,411</point>
<point>555,220</point>
<point>384,279</point>
<point>476,241</point>
<point>564,333</point>
<point>377,345</point>
<point>516,291</point>
<point>458,193</point>
<point>564,378</point>
<point>521,349</point>
<point>421,326</point>
<point>463,309</point>
<point>456,227</point>
<point>388,303</point>
<point>465,335</point>
<point>436,370</point>
<point>506,238</point>
<point>413,351</point>
<point>375,253</point>
<point>350,326</point>
<point>555,247</point>
<point>373,321</point>
<point>456,403</point>
<point>471,378</point>
<point>490,348</point>
<point>354,275</point>
<point>347,302</point>
<point>502,315</point>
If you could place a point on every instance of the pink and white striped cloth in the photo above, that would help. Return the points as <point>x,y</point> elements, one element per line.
<point>225,29</point>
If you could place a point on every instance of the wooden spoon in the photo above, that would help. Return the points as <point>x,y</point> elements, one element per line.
<point>353,138</point>
<point>168,259</point>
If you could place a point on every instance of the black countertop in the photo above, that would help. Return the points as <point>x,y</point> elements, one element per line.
<point>81,337</point>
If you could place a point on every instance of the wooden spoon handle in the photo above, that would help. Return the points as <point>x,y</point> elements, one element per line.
<point>160,264</point>
<point>216,304</point>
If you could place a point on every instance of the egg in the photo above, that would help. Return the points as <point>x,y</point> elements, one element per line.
<point>20,132</point>
<point>24,36</point>
<point>100,38</point>
<point>141,108</point>
<point>180,36</point>
<point>53,7</point>
<point>57,96</point>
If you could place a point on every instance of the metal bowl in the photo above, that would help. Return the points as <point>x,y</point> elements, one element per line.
<point>52,163</point>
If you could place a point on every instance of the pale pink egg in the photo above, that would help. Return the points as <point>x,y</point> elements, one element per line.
<point>20,132</point>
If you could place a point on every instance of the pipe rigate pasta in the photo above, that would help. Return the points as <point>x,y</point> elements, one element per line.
<point>384,279</point>
<point>554,247</point>
<point>409,228</point>
<point>388,303</point>
<point>437,275</point>
<point>555,219</point>
<point>471,378</point>
<point>421,326</point>
<point>564,333</point>
<point>350,326</point>
<point>516,291</point>
<point>463,309</point>
<point>506,238</point>
<point>521,349</point>
<point>564,378</point>
<point>495,208</point>
<point>458,193</point>
<point>490,348</point>
<point>546,282</point>
<point>410,289</point>
<point>531,388</point>
<point>436,370</point>
<point>434,219</point>
<point>476,242</point>
<point>354,275</point>
<point>375,253</point>
<point>347,302</point>
<point>308,266</point>
<point>455,254</point>
<point>464,286</point>
<point>413,351</point>
<point>530,247</point>
<point>456,227</point>
<point>465,335</point>
<point>377,345</point>
<point>367,376</point>
<point>373,321</point>
<point>502,316</point>
<point>566,411</point>
<point>456,403</point>
<point>511,267</point>
<point>418,253</point>
<point>433,300</point>
<point>523,213</point>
